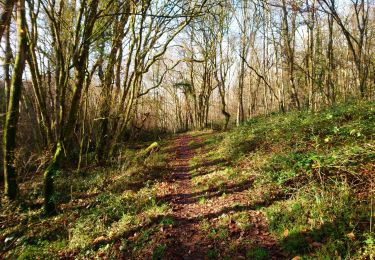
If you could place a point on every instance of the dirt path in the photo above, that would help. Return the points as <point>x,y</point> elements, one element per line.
<point>186,239</point>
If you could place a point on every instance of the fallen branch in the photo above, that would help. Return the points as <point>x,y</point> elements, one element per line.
<point>154,147</point>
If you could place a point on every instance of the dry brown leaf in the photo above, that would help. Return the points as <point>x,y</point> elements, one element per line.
<point>317,244</point>
<point>351,236</point>
<point>101,254</point>
<point>100,240</point>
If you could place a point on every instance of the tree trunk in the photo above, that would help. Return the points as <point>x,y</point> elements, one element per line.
<point>330,86</point>
<point>6,16</point>
<point>7,82</point>
<point>8,60</point>
<point>66,133</point>
<point>48,187</point>
<point>288,35</point>
<point>103,148</point>
<point>10,130</point>
<point>240,111</point>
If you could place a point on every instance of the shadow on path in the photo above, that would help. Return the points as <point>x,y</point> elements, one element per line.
<point>186,239</point>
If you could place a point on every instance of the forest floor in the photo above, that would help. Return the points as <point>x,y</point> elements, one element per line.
<point>284,186</point>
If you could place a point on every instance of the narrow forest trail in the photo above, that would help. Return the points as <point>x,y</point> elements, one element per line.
<point>186,239</point>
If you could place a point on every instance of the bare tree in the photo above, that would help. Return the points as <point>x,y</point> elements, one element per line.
<point>356,39</point>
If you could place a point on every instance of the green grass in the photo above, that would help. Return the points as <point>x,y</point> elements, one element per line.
<point>257,253</point>
<point>159,252</point>
<point>313,174</point>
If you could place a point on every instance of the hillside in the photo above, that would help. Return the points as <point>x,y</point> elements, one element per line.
<point>280,186</point>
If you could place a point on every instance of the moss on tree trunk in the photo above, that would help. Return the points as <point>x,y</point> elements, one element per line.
<point>10,129</point>
<point>49,174</point>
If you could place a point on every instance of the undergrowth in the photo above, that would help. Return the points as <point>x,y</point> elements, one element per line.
<point>98,208</point>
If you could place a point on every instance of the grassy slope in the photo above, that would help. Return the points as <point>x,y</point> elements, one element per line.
<point>313,177</point>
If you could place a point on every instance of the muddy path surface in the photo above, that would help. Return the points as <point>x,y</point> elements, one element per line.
<point>186,239</point>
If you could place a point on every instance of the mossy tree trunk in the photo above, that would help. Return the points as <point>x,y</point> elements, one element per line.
<point>48,187</point>
<point>10,129</point>
<point>4,96</point>
<point>80,60</point>
<point>102,149</point>
<point>8,60</point>
<point>43,116</point>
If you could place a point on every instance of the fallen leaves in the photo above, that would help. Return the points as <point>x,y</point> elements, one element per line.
<point>316,244</point>
<point>233,228</point>
<point>351,236</point>
<point>101,240</point>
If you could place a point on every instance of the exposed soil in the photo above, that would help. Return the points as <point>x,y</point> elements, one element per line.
<point>185,239</point>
